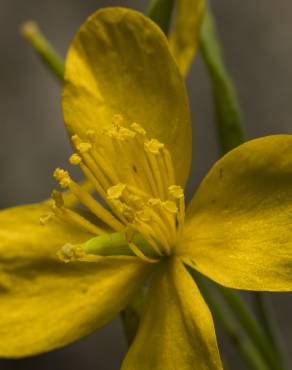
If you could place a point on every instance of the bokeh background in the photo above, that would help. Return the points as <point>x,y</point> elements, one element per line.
<point>258,48</point>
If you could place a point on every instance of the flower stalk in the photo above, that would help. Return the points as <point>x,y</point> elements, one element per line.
<point>160,11</point>
<point>253,328</point>
<point>227,110</point>
<point>230,323</point>
<point>44,49</point>
<point>265,316</point>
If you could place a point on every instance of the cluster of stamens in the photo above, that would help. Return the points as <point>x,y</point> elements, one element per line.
<point>138,187</point>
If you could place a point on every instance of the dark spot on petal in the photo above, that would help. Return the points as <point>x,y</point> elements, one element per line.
<point>84,290</point>
<point>135,169</point>
<point>220,173</point>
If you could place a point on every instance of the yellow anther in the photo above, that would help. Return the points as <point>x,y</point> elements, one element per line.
<point>116,191</point>
<point>90,135</point>
<point>75,140</point>
<point>125,133</point>
<point>119,133</point>
<point>137,128</point>
<point>75,159</point>
<point>62,177</point>
<point>83,147</point>
<point>135,201</point>
<point>70,252</point>
<point>143,215</point>
<point>154,202</point>
<point>170,206</point>
<point>176,191</point>
<point>118,120</point>
<point>153,146</point>
<point>128,213</point>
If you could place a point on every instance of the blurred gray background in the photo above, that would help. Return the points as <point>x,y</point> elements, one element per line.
<point>258,48</point>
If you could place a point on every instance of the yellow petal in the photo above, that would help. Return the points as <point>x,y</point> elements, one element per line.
<point>239,230</point>
<point>44,303</point>
<point>185,38</point>
<point>176,331</point>
<point>119,63</point>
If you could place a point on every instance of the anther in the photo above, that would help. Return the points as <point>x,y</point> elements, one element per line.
<point>153,146</point>
<point>62,177</point>
<point>170,206</point>
<point>116,191</point>
<point>83,147</point>
<point>75,159</point>
<point>176,191</point>
<point>118,120</point>
<point>90,135</point>
<point>154,202</point>
<point>138,129</point>
<point>75,140</point>
<point>144,215</point>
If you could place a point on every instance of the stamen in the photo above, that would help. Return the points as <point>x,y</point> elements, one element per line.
<point>68,215</point>
<point>84,147</point>
<point>169,166</point>
<point>167,217</point>
<point>160,229</point>
<point>62,177</point>
<point>90,135</point>
<point>141,255</point>
<point>116,191</point>
<point>177,192</point>
<point>145,172</point>
<point>144,228</point>
<point>170,206</point>
<point>118,120</point>
<point>85,198</point>
<point>75,159</point>
<point>137,128</point>
<point>153,146</point>
<point>140,190</point>
<point>105,178</point>
<point>152,149</point>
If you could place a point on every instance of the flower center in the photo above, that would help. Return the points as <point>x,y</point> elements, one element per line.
<point>137,184</point>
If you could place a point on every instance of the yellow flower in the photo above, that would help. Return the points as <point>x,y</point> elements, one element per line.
<point>126,110</point>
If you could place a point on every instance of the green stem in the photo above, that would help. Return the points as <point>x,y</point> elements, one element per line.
<point>265,315</point>
<point>219,310</point>
<point>160,12</point>
<point>228,114</point>
<point>252,327</point>
<point>44,49</point>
